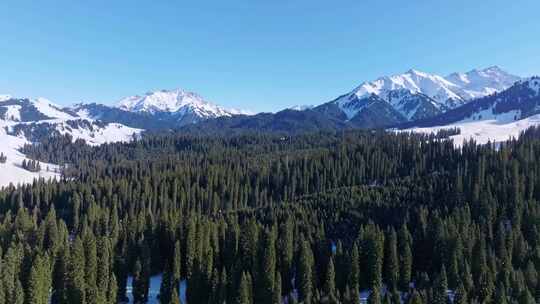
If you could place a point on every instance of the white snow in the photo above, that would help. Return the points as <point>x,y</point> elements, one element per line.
<point>13,113</point>
<point>11,171</point>
<point>175,101</point>
<point>112,132</point>
<point>49,109</point>
<point>4,97</point>
<point>447,92</point>
<point>413,81</point>
<point>490,128</point>
<point>480,83</point>
<point>301,107</point>
<point>153,290</point>
<point>534,84</point>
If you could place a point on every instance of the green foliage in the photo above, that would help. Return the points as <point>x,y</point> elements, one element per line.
<point>249,218</point>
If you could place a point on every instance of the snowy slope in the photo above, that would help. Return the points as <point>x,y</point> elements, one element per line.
<point>494,118</point>
<point>491,128</point>
<point>48,108</point>
<point>22,121</point>
<point>11,171</point>
<point>95,134</point>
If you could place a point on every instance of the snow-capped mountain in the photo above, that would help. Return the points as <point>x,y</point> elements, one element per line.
<point>417,95</point>
<point>480,83</point>
<point>495,117</point>
<point>186,107</point>
<point>301,107</point>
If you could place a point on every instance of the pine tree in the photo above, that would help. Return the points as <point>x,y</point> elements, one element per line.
<point>244,290</point>
<point>391,261</point>
<point>76,285</point>
<point>140,289</point>
<point>177,263</point>
<point>276,297</point>
<point>39,281</point>
<point>405,265</point>
<point>526,297</point>
<point>354,277</point>
<point>329,283</point>
<point>501,297</point>
<point>91,269</point>
<point>286,251</point>
<point>374,251</point>
<point>267,269</point>
<point>415,298</point>
<point>460,296</point>
<point>223,285</point>
<point>18,293</point>
<point>60,280</point>
<point>167,287</point>
<point>103,271</point>
<point>112,290</point>
<point>175,298</point>
<point>440,288</point>
<point>374,296</point>
<point>305,273</point>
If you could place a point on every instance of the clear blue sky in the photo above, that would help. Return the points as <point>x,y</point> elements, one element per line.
<point>254,54</point>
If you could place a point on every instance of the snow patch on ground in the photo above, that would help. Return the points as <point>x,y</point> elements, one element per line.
<point>112,132</point>
<point>13,113</point>
<point>491,128</point>
<point>11,171</point>
<point>153,291</point>
<point>49,109</point>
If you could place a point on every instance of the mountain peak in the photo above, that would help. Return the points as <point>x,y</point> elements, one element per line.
<point>416,72</point>
<point>185,105</point>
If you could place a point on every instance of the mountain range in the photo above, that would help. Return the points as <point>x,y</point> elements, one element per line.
<point>406,100</point>
<point>484,104</point>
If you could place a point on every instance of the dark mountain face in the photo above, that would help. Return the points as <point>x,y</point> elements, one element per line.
<point>376,113</point>
<point>140,120</point>
<point>367,112</point>
<point>414,106</point>
<point>287,121</point>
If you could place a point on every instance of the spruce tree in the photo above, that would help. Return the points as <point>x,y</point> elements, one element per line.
<point>76,286</point>
<point>526,297</point>
<point>140,289</point>
<point>415,298</point>
<point>391,261</point>
<point>305,273</point>
<point>329,283</point>
<point>39,281</point>
<point>244,291</point>
<point>460,296</point>
<point>354,277</point>
<point>374,296</point>
<point>440,288</point>
<point>267,269</point>
<point>276,297</point>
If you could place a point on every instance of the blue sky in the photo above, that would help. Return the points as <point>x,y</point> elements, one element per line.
<point>253,54</point>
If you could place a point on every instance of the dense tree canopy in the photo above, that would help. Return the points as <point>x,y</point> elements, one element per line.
<point>313,218</point>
